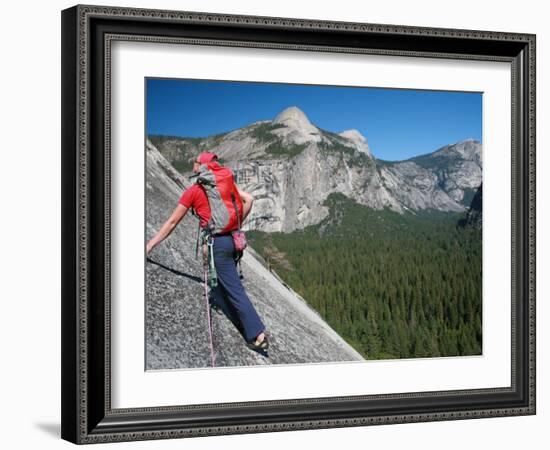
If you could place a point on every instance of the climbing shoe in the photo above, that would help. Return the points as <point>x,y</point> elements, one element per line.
<point>263,345</point>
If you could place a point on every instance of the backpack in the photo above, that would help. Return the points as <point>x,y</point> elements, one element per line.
<point>226,205</point>
<point>226,215</point>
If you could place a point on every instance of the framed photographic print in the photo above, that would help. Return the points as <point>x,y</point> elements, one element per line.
<point>283,224</point>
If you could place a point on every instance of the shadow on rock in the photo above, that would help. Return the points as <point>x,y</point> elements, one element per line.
<point>176,272</point>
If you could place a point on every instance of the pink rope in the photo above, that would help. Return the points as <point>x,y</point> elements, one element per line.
<point>208,316</point>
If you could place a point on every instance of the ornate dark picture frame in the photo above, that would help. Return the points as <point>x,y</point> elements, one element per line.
<point>87,33</point>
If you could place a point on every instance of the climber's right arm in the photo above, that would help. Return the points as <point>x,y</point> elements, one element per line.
<point>168,227</point>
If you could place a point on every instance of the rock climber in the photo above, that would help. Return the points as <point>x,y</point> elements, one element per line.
<point>230,285</point>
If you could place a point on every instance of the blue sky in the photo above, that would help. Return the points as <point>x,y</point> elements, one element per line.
<point>397,123</point>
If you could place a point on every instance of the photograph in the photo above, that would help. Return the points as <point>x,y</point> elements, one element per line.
<point>284,222</point>
<point>301,224</point>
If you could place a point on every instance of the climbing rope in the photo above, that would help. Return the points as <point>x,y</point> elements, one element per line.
<point>212,355</point>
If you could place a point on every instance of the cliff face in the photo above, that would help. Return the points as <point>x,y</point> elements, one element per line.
<point>291,167</point>
<point>474,215</point>
<point>176,319</point>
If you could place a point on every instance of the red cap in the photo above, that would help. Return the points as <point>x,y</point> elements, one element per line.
<point>205,158</point>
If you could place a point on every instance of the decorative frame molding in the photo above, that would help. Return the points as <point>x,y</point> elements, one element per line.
<point>87,34</point>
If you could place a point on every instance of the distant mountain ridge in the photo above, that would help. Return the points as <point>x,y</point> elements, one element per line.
<point>291,167</point>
